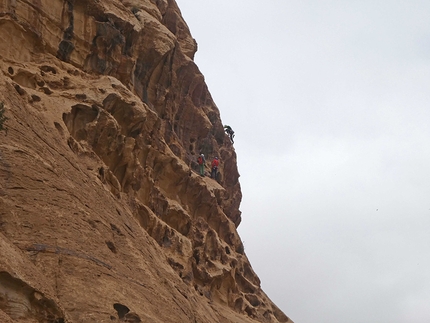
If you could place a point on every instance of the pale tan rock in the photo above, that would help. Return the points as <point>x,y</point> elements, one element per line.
<point>103,215</point>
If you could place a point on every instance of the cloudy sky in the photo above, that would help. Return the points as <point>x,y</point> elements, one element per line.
<point>330,102</point>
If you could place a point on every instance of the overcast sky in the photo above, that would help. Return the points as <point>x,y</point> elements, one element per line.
<point>330,102</point>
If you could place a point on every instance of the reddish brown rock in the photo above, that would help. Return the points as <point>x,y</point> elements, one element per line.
<point>103,216</point>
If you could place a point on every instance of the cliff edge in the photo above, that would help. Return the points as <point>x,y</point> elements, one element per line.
<point>103,215</point>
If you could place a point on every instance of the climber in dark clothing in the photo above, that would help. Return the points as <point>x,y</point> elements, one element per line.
<point>230,132</point>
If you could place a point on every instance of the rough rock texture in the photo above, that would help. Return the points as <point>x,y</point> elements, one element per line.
<point>103,216</point>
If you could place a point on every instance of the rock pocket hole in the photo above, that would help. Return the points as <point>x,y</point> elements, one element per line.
<point>19,89</point>
<point>111,246</point>
<point>59,128</point>
<point>114,228</point>
<point>81,96</point>
<point>35,98</point>
<point>47,68</point>
<point>46,90</point>
<point>122,310</point>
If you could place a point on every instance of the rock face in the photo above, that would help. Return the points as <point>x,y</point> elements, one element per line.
<point>103,216</point>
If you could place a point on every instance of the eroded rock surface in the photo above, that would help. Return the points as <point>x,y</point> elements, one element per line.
<point>103,216</point>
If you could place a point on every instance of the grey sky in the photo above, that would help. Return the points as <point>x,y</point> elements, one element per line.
<point>330,102</point>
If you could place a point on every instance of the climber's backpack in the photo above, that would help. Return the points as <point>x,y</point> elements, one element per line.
<point>200,160</point>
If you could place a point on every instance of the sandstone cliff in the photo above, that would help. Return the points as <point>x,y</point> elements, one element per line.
<point>103,216</point>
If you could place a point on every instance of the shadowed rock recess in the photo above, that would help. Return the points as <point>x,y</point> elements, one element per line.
<point>103,216</point>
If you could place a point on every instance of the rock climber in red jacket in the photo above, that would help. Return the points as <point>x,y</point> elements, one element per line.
<point>214,171</point>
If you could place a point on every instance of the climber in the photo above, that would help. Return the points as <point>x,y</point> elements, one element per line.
<point>215,163</point>
<point>230,132</point>
<point>201,161</point>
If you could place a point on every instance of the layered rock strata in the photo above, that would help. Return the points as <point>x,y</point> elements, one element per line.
<point>103,216</point>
